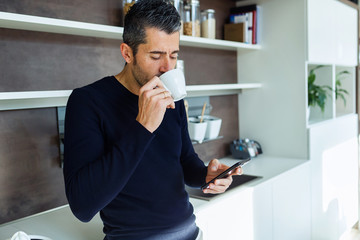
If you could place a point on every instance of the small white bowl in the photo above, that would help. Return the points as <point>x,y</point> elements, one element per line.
<point>213,126</point>
<point>197,130</point>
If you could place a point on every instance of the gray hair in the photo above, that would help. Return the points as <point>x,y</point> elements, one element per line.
<point>160,14</point>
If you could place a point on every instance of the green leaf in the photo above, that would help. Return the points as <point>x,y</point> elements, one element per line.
<point>311,78</point>
<point>317,95</point>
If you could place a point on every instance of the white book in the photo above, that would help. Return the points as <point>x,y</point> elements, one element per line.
<point>244,18</point>
<point>250,27</point>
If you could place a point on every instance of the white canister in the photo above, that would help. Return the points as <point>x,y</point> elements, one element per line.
<point>197,130</point>
<point>213,127</point>
<point>208,24</point>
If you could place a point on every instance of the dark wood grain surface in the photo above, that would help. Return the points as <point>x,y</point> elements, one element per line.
<point>31,180</point>
<point>30,177</point>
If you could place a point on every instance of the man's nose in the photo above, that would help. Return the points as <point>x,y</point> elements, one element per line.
<point>166,65</point>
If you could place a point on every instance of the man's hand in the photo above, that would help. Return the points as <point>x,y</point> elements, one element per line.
<point>154,99</point>
<point>220,185</point>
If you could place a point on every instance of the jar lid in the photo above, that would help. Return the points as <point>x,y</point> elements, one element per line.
<point>208,11</point>
<point>193,1</point>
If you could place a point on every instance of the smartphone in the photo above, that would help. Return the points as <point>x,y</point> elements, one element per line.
<point>225,173</point>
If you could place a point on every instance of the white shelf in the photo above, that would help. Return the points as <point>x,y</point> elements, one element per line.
<point>42,99</point>
<point>219,89</point>
<point>33,99</point>
<point>44,24</point>
<point>216,44</point>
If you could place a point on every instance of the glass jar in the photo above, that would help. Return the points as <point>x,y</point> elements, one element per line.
<point>126,7</point>
<point>179,5</point>
<point>191,18</point>
<point>208,23</point>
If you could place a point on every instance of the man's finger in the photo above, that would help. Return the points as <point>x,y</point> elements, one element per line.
<point>153,83</point>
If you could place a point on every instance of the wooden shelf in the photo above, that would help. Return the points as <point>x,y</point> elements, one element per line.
<point>42,99</point>
<point>52,25</point>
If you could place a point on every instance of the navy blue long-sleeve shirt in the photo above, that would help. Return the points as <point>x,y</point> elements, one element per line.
<point>116,166</point>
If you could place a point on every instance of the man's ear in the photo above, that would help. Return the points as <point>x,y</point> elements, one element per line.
<point>126,52</point>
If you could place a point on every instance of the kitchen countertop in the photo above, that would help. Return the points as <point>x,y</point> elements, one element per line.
<point>266,167</point>
<point>60,224</point>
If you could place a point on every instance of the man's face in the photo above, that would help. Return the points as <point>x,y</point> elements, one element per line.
<point>157,56</point>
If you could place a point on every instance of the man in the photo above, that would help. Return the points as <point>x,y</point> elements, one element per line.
<point>127,148</point>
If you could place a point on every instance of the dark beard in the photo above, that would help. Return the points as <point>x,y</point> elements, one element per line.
<point>140,78</point>
<point>136,77</point>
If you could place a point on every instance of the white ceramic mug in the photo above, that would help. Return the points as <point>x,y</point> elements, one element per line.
<point>174,82</point>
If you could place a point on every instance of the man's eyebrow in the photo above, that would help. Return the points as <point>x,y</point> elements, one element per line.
<point>161,52</point>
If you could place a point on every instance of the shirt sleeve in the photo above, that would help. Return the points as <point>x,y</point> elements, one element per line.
<point>194,168</point>
<point>94,177</point>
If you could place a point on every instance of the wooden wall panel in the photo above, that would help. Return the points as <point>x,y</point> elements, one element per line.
<point>222,12</point>
<point>32,61</point>
<point>92,11</point>
<point>30,177</point>
<point>208,66</point>
<point>226,108</point>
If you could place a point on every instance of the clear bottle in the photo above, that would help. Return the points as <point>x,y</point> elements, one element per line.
<point>191,17</point>
<point>208,23</point>
<point>179,5</point>
<point>126,7</point>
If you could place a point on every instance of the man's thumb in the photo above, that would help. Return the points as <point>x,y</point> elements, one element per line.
<point>214,165</point>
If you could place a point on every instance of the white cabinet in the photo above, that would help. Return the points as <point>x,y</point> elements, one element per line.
<point>332,32</point>
<point>335,106</point>
<point>263,211</point>
<point>278,209</point>
<point>334,178</point>
<point>291,205</point>
<point>332,41</point>
<point>297,36</point>
<point>230,218</point>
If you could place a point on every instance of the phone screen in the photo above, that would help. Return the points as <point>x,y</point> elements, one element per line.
<point>225,173</point>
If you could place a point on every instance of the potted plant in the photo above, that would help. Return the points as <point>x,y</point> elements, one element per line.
<point>317,94</point>
<point>339,92</point>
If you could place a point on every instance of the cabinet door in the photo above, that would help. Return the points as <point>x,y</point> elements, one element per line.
<point>332,32</point>
<point>320,31</point>
<point>292,205</point>
<point>263,212</point>
<point>345,34</point>
<point>334,177</point>
<point>230,217</point>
